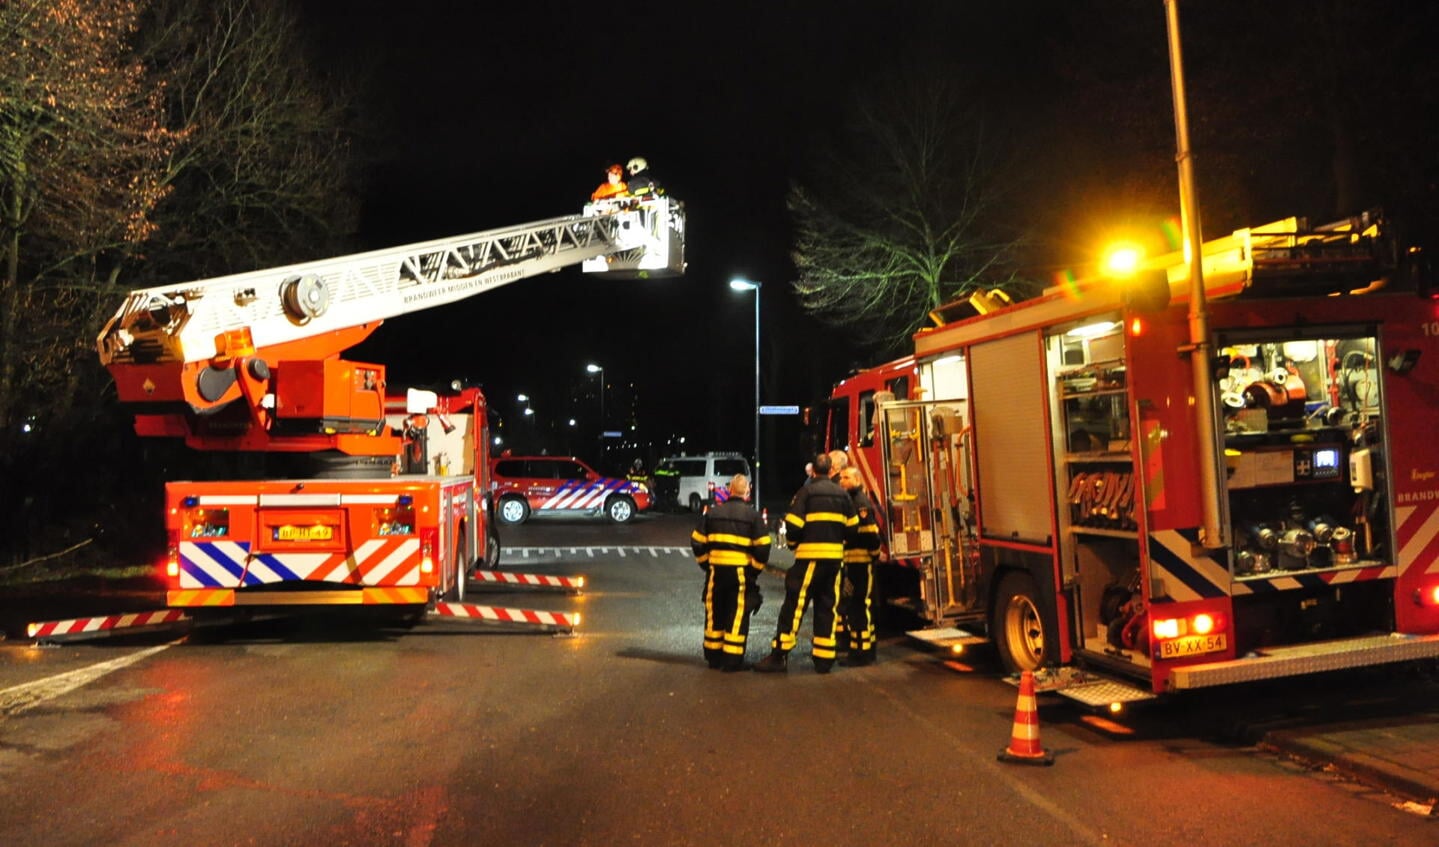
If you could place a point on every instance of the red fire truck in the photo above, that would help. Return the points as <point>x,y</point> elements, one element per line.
<point>1045,481</point>
<point>394,510</point>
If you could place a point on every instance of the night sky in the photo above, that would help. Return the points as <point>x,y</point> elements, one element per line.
<point>492,115</point>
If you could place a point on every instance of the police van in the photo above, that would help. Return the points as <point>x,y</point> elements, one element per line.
<point>685,481</point>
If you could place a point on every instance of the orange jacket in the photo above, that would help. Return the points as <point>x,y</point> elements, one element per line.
<point>610,189</point>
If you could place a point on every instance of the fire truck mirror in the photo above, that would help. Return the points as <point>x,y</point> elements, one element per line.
<point>1147,292</point>
<point>880,398</point>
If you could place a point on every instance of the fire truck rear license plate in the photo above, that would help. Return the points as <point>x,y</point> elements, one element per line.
<point>1193,645</point>
<point>304,533</point>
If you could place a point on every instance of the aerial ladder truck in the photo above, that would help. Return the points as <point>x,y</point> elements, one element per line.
<point>395,513</point>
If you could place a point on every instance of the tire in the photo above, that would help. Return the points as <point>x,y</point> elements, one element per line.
<point>1018,626</point>
<point>461,574</point>
<point>620,509</point>
<point>492,547</point>
<point>513,510</point>
<point>696,504</point>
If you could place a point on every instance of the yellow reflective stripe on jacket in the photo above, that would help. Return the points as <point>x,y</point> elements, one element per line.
<point>729,557</point>
<point>819,550</point>
<point>736,540</point>
<point>851,520</point>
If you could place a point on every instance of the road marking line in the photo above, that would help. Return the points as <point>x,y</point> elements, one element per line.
<point>28,695</point>
<point>622,552</point>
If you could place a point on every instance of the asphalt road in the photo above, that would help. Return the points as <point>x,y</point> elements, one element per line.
<point>318,732</point>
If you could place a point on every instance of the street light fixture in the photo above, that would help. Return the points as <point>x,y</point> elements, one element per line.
<point>742,284</point>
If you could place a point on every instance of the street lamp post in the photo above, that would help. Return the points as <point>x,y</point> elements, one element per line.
<point>596,369</point>
<point>742,284</point>
<point>1213,533</point>
<point>527,413</point>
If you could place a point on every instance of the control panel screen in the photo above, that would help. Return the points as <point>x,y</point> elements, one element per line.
<point>1325,463</point>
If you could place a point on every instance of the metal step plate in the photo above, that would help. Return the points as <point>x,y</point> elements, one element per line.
<point>1086,687</point>
<point>946,638</point>
<point>1105,693</point>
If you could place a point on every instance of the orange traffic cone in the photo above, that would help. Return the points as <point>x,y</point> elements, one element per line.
<point>1024,746</point>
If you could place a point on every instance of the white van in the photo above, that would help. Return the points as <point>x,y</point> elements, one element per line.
<point>684,481</point>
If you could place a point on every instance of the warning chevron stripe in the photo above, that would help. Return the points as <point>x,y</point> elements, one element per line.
<point>399,595</point>
<point>574,583</point>
<point>201,597</point>
<point>105,625</point>
<point>561,620</point>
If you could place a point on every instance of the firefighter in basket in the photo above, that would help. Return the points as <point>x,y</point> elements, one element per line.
<point>613,187</point>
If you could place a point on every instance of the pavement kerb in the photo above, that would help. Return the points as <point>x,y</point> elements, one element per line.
<point>1409,783</point>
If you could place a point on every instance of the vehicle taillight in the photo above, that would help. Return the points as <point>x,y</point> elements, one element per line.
<point>1166,627</point>
<point>427,552</point>
<point>1427,595</point>
<point>172,562</point>
<point>1202,623</point>
<point>1198,634</point>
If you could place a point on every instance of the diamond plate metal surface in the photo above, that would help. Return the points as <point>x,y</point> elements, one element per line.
<point>1276,662</point>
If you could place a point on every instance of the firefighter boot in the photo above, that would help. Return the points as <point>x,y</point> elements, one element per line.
<point>860,658</point>
<point>823,665</point>
<point>775,662</point>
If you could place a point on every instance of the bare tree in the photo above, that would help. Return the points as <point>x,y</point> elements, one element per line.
<point>140,140</point>
<point>265,173</point>
<point>902,217</point>
<point>81,143</point>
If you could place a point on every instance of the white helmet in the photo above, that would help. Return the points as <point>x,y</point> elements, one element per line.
<point>636,165</point>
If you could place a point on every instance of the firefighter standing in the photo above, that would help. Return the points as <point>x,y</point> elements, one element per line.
<point>820,522</point>
<point>838,461</point>
<point>859,558</point>
<point>732,545</point>
<point>637,473</point>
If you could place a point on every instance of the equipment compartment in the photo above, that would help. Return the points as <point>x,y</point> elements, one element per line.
<point>1303,441</point>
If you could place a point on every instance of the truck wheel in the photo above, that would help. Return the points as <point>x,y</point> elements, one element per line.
<point>1017,624</point>
<point>492,547</point>
<point>696,504</point>
<point>456,593</point>
<point>620,509</point>
<point>514,510</point>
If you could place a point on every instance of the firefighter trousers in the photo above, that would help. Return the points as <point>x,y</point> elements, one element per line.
<point>858,607</point>
<point>731,595</point>
<point>810,581</point>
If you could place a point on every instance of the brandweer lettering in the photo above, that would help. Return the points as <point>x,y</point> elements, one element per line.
<point>455,288</point>
<point>1417,496</point>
